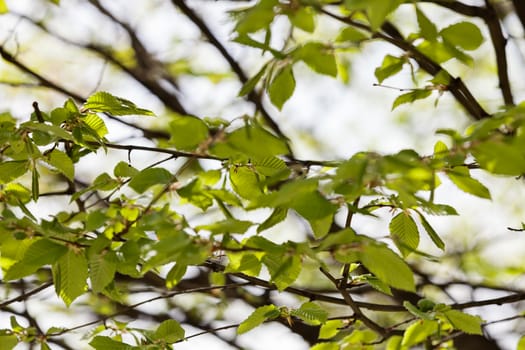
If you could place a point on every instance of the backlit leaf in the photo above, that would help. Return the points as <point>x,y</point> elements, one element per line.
<point>282,87</point>
<point>311,313</point>
<point>419,331</point>
<point>70,273</point>
<point>319,57</point>
<point>411,96</point>
<point>391,65</point>
<point>387,266</point>
<point>150,177</point>
<point>107,103</point>
<point>257,317</point>
<point>187,132</point>
<point>169,331</point>
<point>460,176</point>
<point>465,35</point>
<point>464,322</point>
<point>62,163</point>
<point>404,232</point>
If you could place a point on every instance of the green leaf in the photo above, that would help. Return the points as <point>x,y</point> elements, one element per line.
<point>499,158</point>
<point>41,252</point>
<point>257,17</point>
<point>387,266</point>
<point>376,10</point>
<point>187,132</point>
<point>106,343</point>
<point>411,96</point>
<point>427,29</point>
<point>123,169</point>
<point>326,346</point>
<point>12,169</point>
<point>284,270</point>
<point>227,226</point>
<point>169,331</point>
<point>465,35</point>
<point>8,342</point>
<point>282,87</point>
<point>311,313</point>
<point>352,34</point>
<point>175,275</point>
<point>95,123</point>
<point>460,176</point>
<point>246,142</point>
<point>464,322</point>
<point>150,177</point>
<point>105,102</point>
<point>70,273</point>
<point>391,65</point>
<point>431,232</point>
<point>330,329</point>
<point>243,262</point>
<point>319,57</point>
<point>303,18</point>
<point>245,182</point>
<point>252,82</point>
<point>278,215</point>
<point>404,232</point>
<point>257,317</point>
<point>414,310</point>
<point>102,268</point>
<point>419,331</point>
<point>62,163</point>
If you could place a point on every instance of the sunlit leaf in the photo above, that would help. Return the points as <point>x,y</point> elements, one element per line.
<point>257,317</point>
<point>107,103</point>
<point>282,87</point>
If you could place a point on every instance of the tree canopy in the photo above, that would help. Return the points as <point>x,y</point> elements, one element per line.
<point>153,192</point>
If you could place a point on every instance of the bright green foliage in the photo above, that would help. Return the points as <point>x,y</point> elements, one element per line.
<point>310,313</point>
<point>282,87</point>
<point>223,209</point>
<point>257,317</point>
<point>418,332</point>
<point>404,232</point>
<point>187,132</point>
<point>106,103</point>
<point>169,331</point>
<point>70,273</point>
<point>3,7</point>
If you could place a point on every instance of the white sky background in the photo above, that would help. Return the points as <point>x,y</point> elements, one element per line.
<point>325,118</point>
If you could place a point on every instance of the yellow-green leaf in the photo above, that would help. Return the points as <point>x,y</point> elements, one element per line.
<point>282,87</point>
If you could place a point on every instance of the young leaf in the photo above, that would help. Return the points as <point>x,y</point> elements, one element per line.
<point>102,268</point>
<point>104,102</point>
<point>245,182</point>
<point>11,170</point>
<point>282,87</point>
<point>352,34</point>
<point>303,18</point>
<point>326,346</point>
<point>106,343</point>
<point>411,96</point>
<point>427,29</point>
<point>257,17</point>
<point>330,329</point>
<point>466,35</point>
<point>169,331</point>
<point>41,252</point>
<point>404,232</point>
<point>8,341</point>
<point>187,132</point>
<point>419,331</point>
<point>257,317</point>
<point>499,158</point>
<point>62,163</point>
<point>311,313</point>
<point>464,322</point>
<point>387,266</point>
<point>431,232</point>
<point>252,82</point>
<point>278,215</point>
<point>175,275</point>
<point>318,57</point>
<point>460,176</point>
<point>391,65</point>
<point>150,177</point>
<point>70,273</point>
<point>283,270</point>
